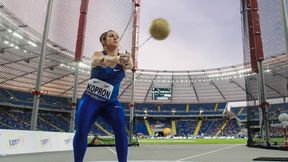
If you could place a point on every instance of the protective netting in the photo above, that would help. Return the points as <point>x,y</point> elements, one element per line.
<point>272,29</point>
<point>102,16</point>
<point>26,18</point>
<point>22,24</point>
<point>274,37</point>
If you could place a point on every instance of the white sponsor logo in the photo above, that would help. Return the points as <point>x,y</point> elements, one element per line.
<point>67,141</point>
<point>44,141</point>
<point>13,142</point>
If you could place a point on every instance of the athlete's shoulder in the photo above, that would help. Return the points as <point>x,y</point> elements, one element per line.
<point>97,59</point>
<point>98,53</point>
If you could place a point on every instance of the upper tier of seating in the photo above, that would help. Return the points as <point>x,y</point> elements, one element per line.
<point>25,99</point>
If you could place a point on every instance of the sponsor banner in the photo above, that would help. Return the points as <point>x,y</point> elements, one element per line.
<point>19,141</point>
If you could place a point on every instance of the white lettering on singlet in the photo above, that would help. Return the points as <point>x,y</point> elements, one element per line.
<point>99,88</point>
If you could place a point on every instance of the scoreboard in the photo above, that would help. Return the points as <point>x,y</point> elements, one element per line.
<point>161,93</point>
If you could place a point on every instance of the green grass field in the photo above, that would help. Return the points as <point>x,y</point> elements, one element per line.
<point>175,141</point>
<point>193,141</point>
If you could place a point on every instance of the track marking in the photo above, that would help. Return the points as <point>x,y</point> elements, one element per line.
<point>143,161</point>
<point>112,150</point>
<point>210,152</point>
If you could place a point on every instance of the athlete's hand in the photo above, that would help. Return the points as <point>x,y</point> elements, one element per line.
<point>124,59</point>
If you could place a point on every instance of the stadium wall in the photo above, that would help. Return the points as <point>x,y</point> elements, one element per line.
<point>21,142</point>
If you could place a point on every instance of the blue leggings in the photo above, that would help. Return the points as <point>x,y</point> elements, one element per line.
<point>88,111</point>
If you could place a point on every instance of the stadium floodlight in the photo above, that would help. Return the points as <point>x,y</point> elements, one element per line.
<point>81,64</point>
<point>200,111</point>
<point>32,44</point>
<point>17,35</point>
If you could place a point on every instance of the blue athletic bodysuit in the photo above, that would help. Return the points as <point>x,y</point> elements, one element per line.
<point>101,99</point>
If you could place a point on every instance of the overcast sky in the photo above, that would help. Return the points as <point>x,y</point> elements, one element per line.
<point>204,34</point>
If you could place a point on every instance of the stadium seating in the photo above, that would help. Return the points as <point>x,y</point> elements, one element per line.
<point>54,115</point>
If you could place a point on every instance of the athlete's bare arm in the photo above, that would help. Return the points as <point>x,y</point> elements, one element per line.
<point>99,59</point>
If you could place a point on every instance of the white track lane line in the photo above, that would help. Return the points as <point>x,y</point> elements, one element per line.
<point>112,151</point>
<point>210,152</point>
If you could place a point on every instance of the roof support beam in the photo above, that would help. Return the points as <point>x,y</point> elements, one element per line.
<point>247,93</point>
<point>128,86</point>
<point>218,90</point>
<point>193,86</point>
<point>83,81</point>
<point>23,59</point>
<point>31,72</point>
<point>273,89</point>
<point>63,76</point>
<point>275,73</point>
<point>152,83</point>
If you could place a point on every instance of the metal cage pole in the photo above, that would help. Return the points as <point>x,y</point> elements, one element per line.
<point>33,124</point>
<point>263,105</point>
<point>134,50</point>
<point>78,57</point>
<point>74,99</point>
<point>245,30</point>
<point>256,58</point>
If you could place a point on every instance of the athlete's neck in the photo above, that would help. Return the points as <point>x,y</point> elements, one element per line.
<point>111,51</point>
